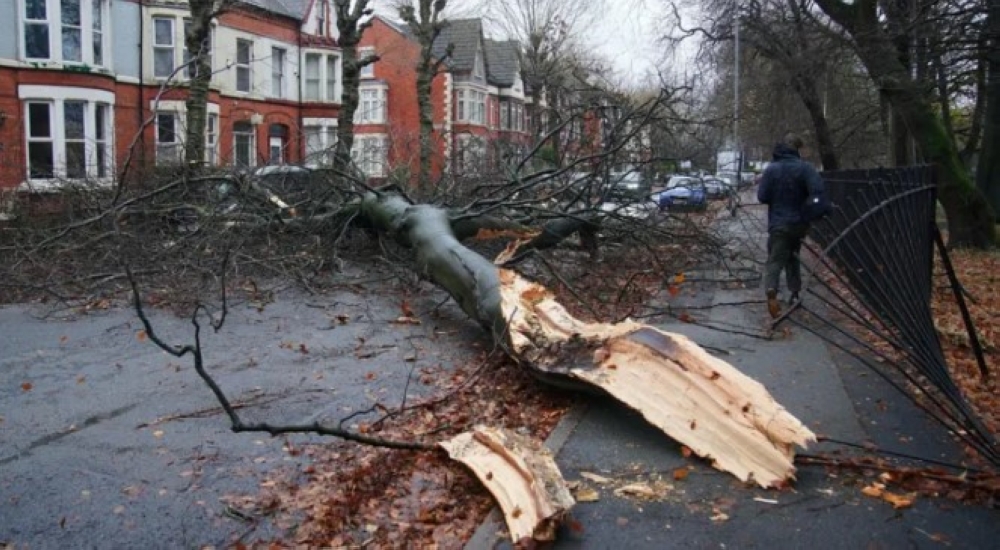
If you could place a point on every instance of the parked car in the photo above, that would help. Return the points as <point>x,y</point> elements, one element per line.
<point>717,188</point>
<point>688,193</point>
<point>628,185</point>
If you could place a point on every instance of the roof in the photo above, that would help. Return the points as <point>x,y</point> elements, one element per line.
<point>465,35</point>
<point>296,9</point>
<point>501,62</point>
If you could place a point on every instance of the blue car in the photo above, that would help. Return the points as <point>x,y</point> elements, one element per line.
<point>683,191</point>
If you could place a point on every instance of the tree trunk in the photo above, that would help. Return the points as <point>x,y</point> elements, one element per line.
<point>351,30</point>
<point>425,78</point>
<point>701,401</point>
<point>988,168</point>
<point>425,23</point>
<point>970,218</point>
<point>806,87</point>
<point>197,41</point>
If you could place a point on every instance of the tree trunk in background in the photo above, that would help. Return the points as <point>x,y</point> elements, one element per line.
<point>805,86</point>
<point>426,25</point>
<point>988,168</point>
<point>970,218</point>
<point>351,30</point>
<point>198,41</point>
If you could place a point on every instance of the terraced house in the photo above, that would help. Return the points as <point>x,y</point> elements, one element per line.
<point>86,84</point>
<point>478,99</point>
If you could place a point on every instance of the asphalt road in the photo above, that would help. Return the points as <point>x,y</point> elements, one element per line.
<point>108,442</point>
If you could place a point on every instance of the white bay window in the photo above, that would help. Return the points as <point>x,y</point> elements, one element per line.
<point>67,132</point>
<point>320,137</point>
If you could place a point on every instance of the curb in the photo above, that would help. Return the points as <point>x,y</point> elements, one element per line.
<point>493,530</point>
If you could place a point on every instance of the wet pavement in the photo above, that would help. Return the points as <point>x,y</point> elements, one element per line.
<point>700,507</point>
<point>108,442</point>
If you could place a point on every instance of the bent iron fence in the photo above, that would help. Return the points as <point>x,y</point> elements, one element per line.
<point>873,266</point>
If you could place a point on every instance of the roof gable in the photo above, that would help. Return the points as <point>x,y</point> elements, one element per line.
<point>296,9</point>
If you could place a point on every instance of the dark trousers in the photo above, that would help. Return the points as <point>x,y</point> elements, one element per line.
<point>783,245</point>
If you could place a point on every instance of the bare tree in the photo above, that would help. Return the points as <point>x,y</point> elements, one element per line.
<point>197,40</point>
<point>426,23</point>
<point>548,31</point>
<point>353,18</point>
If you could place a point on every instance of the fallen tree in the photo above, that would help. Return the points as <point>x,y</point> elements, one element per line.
<point>695,398</point>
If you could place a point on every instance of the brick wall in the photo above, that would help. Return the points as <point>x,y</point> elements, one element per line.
<point>397,68</point>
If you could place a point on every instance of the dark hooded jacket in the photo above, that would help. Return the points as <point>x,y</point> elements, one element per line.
<point>786,183</point>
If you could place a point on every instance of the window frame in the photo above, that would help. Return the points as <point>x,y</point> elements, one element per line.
<point>278,57</point>
<point>162,47</point>
<point>371,154</point>
<point>176,145</point>
<point>244,66</point>
<point>371,109</point>
<point>325,130</point>
<point>368,71</point>
<point>55,28</point>
<point>95,104</point>
<point>251,134</point>
<point>327,86</point>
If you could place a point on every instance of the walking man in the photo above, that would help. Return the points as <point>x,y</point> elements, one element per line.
<point>786,187</point>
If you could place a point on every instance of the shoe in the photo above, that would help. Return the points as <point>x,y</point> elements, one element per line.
<point>794,299</point>
<point>773,305</point>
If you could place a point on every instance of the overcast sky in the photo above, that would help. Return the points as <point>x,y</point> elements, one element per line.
<point>626,33</point>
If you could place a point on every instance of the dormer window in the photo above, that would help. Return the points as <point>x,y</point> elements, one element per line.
<point>478,72</point>
<point>322,16</point>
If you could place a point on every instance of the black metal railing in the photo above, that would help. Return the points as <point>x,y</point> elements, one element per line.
<point>872,263</point>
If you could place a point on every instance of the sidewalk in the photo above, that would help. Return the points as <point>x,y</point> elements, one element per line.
<point>830,393</point>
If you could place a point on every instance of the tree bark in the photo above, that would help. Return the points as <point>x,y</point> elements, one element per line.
<point>970,218</point>
<point>805,86</point>
<point>988,168</point>
<point>351,29</point>
<point>425,23</point>
<point>197,41</point>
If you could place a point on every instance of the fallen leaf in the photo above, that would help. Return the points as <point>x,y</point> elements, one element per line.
<point>719,516</point>
<point>26,386</point>
<point>586,494</point>
<point>141,336</point>
<point>63,339</point>
<point>405,309</point>
<point>673,290</point>
<point>680,474</point>
<point>119,509</point>
<point>641,490</point>
<point>899,501</point>
<point>158,434</point>
<point>686,451</point>
<point>679,278</point>
<point>874,490</point>
<point>81,379</point>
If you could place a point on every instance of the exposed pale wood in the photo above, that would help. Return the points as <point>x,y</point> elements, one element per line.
<point>521,475</point>
<point>701,401</point>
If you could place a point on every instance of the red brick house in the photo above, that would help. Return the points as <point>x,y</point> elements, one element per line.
<point>478,100</point>
<point>87,85</point>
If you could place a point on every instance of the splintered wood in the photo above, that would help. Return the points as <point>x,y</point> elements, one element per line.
<point>699,400</point>
<point>521,475</point>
